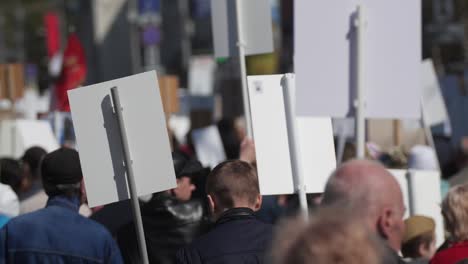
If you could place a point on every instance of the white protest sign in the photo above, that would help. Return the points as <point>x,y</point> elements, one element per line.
<point>433,104</point>
<point>208,146</point>
<point>343,127</point>
<point>400,176</point>
<point>315,135</point>
<point>426,198</point>
<point>325,57</point>
<point>16,136</point>
<point>256,26</point>
<point>99,143</point>
<point>201,75</point>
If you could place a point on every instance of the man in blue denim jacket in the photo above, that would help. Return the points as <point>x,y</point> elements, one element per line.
<point>57,233</point>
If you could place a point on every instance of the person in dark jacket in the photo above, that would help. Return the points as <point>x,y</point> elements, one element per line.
<point>171,219</point>
<point>57,233</point>
<point>238,236</point>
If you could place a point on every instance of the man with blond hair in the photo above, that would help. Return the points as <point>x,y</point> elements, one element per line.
<point>237,237</point>
<point>455,213</point>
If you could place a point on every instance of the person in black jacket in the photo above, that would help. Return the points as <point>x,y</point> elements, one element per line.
<point>171,219</point>
<point>237,237</point>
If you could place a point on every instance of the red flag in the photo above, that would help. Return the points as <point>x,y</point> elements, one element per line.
<point>73,72</point>
<point>51,22</point>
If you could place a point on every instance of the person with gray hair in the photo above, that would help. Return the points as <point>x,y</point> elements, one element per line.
<point>368,187</point>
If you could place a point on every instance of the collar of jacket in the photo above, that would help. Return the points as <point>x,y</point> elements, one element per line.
<point>235,214</point>
<point>65,202</point>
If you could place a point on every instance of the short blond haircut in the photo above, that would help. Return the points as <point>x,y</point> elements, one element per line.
<point>331,237</point>
<point>232,181</point>
<point>455,212</point>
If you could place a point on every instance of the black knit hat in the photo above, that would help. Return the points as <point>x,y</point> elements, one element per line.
<point>61,167</point>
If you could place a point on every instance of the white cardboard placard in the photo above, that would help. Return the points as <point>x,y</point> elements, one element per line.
<point>433,104</point>
<point>98,138</point>
<point>16,136</point>
<point>201,75</point>
<point>208,146</point>
<point>317,151</point>
<point>426,198</point>
<point>256,27</point>
<point>400,176</point>
<point>325,58</point>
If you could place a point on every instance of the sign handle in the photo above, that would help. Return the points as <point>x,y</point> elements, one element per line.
<point>294,146</point>
<point>428,133</point>
<point>359,103</point>
<point>130,177</point>
<point>243,72</point>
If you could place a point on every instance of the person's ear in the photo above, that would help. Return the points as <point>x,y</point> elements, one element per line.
<point>258,203</point>
<point>423,249</point>
<point>212,204</point>
<point>384,223</point>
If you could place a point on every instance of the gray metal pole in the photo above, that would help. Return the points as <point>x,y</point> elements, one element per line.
<point>411,201</point>
<point>428,133</point>
<point>130,177</point>
<point>294,146</point>
<point>243,72</point>
<point>186,45</point>
<point>360,98</point>
<point>132,14</point>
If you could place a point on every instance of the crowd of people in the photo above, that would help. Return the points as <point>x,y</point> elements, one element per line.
<point>219,216</point>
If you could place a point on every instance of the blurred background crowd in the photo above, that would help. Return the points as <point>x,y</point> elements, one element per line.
<point>48,47</point>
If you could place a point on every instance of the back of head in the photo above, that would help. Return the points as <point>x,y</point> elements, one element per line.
<point>233,183</point>
<point>368,187</point>
<point>455,212</point>
<point>419,232</point>
<point>10,173</point>
<point>362,184</point>
<point>326,239</point>
<point>33,157</point>
<point>61,172</point>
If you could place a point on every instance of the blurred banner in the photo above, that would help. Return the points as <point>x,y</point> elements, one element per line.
<point>73,73</point>
<point>52,28</point>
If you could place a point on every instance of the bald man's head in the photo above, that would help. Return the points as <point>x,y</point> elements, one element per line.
<point>368,187</point>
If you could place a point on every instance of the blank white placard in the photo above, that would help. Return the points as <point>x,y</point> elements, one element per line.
<point>256,27</point>
<point>201,75</point>
<point>35,133</point>
<point>433,104</point>
<point>324,57</point>
<point>16,136</point>
<point>401,177</point>
<point>317,150</point>
<point>426,198</point>
<point>208,146</point>
<point>98,138</point>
